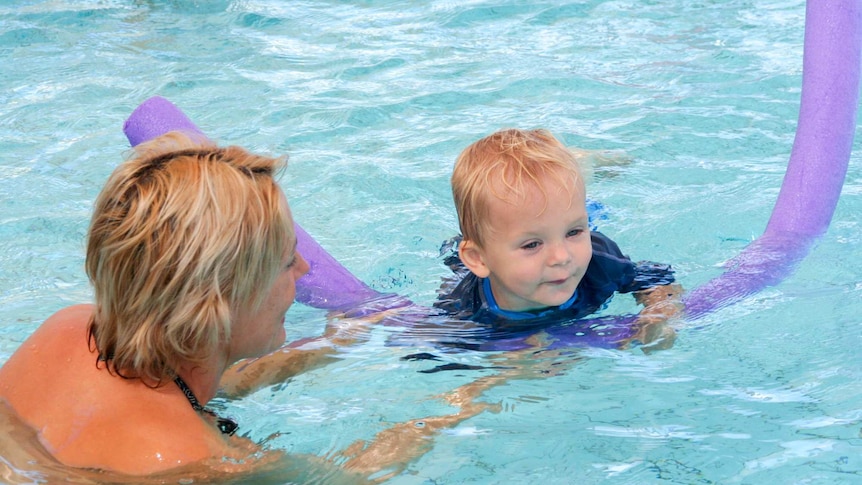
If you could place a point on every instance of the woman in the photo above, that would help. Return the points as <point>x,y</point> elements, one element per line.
<point>191,253</point>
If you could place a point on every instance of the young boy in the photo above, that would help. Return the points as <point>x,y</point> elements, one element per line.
<point>527,255</point>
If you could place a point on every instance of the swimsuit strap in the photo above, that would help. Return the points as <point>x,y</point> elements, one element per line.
<point>226,425</point>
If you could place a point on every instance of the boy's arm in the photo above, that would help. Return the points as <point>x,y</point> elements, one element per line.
<point>661,303</point>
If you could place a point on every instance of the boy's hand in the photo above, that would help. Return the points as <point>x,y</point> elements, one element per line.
<point>653,334</point>
<point>661,304</point>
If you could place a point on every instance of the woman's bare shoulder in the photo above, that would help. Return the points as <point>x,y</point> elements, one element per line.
<point>70,318</point>
<point>54,340</point>
<point>139,445</point>
<point>65,323</point>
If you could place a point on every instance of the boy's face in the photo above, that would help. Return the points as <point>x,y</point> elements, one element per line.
<point>535,253</point>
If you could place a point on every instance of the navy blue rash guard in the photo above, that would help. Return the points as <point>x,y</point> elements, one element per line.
<point>465,296</point>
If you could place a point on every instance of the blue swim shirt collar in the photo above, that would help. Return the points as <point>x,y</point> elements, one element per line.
<point>513,315</point>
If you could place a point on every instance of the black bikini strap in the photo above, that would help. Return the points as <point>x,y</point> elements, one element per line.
<point>226,425</point>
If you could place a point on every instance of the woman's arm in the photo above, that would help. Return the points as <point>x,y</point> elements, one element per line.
<point>249,375</point>
<point>393,449</point>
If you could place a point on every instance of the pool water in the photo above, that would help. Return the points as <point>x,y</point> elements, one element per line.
<point>695,101</point>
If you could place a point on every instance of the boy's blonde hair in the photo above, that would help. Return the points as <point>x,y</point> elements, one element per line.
<point>502,165</point>
<point>183,236</point>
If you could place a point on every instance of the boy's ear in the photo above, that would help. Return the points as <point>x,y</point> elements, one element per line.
<point>472,257</point>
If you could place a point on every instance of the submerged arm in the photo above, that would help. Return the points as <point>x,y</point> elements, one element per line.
<point>392,449</point>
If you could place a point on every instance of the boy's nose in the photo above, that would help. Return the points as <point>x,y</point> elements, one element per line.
<point>560,255</point>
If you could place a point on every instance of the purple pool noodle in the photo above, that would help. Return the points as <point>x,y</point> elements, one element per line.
<point>827,120</point>
<point>818,161</point>
<point>328,284</point>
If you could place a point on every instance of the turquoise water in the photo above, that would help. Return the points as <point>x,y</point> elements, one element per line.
<point>372,101</point>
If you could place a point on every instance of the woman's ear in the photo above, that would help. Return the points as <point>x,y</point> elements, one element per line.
<point>472,257</point>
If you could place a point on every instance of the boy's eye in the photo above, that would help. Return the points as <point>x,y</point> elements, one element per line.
<point>575,232</point>
<point>531,245</point>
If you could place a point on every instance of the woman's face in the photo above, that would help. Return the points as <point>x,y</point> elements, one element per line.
<point>258,332</point>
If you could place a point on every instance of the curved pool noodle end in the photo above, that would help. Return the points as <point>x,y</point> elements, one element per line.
<point>818,161</point>
<point>155,117</point>
<point>328,284</point>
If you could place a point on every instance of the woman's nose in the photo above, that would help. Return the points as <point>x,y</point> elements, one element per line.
<point>301,265</point>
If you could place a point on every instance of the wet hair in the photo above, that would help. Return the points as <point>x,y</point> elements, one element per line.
<point>183,236</point>
<point>503,165</point>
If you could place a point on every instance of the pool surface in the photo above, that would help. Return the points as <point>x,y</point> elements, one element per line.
<point>694,102</point>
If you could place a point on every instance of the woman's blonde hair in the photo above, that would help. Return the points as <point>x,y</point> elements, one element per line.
<point>501,165</point>
<point>183,235</point>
